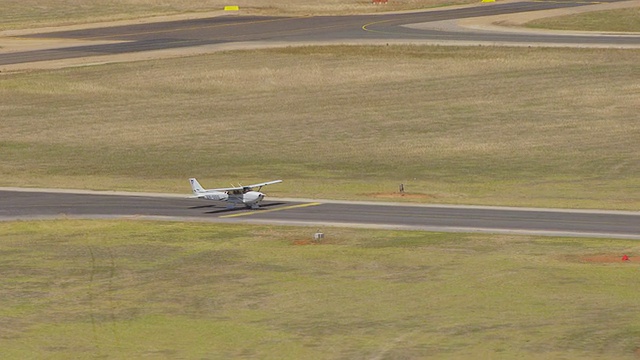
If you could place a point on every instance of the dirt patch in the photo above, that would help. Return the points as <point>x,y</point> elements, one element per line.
<point>307,242</point>
<point>303,242</point>
<point>607,259</point>
<point>398,195</point>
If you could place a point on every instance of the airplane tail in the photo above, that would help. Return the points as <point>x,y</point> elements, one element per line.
<point>196,187</point>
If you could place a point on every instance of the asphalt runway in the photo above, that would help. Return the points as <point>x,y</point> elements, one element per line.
<point>17,205</point>
<point>313,29</point>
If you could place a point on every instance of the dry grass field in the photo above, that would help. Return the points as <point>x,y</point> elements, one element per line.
<point>477,125</point>
<point>619,20</point>
<point>94,289</point>
<point>19,14</point>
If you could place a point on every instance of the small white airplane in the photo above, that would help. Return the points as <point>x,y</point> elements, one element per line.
<point>233,195</point>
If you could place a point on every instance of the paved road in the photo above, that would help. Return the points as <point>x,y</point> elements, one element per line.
<point>28,205</point>
<point>238,29</point>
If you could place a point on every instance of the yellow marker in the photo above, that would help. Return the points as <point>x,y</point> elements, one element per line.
<point>488,1</point>
<point>234,8</point>
<point>266,211</point>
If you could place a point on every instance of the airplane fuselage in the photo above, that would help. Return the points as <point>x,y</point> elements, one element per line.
<point>249,199</point>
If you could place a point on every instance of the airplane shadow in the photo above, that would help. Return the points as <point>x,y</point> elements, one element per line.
<point>239,208</point>
<point>202,206</point>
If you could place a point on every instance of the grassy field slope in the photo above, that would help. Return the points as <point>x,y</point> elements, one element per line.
<point>81,289</point>
<point>478,125</point>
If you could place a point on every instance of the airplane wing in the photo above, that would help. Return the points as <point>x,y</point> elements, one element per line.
<point>263,184</point>
<point>244,187</point>
<point>226,189</point>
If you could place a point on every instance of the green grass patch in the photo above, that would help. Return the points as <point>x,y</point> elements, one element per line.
<point>619,20</point>
<point>478,125</point>
<point>78,289</point>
